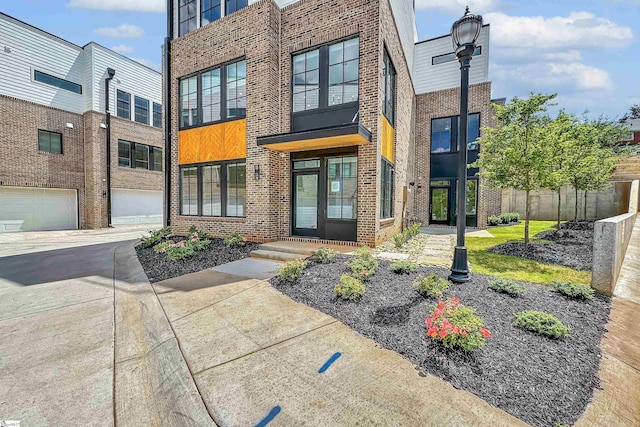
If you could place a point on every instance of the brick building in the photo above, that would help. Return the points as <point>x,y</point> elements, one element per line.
<point>54,129</point>
<point>302,119</point>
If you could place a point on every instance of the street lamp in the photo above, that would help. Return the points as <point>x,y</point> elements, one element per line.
<point>464,32</point>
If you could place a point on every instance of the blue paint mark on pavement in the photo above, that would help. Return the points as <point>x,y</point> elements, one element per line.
<point>270,416</point>
<point>329,362</point>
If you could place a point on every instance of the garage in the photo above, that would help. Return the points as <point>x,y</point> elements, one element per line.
<point>136,207</point>
<point>32,209</point>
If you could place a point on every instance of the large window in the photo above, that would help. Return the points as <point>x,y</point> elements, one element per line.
<point>157,115</point>
<point>39,76</point>
<point>141,109</point>
<point>139,156</point>
<point>123,106</point>
<point>389,77</point>
<point>124,153</point>
<point>386,190</point>
<point>446,130</point>
<point>210,11</point>
<point>218,189</point>
<point>326,76</point>
<point>156,159</point>
<point>234,5</point>
<point>187,16</point>
<point>342,187</point>
<point>214,95</point>
<point>472,196</point>
<point>50,142</point>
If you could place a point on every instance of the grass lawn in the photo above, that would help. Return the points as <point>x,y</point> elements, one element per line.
<point>516,268</point>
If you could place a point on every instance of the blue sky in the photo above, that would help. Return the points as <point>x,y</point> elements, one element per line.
<point>585,50</point>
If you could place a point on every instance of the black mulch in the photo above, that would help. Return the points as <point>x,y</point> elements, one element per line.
<point>539,380</point>
<point>571,246</point>
<point>159,267</point>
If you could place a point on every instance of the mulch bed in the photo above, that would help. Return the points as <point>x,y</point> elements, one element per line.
<point>159,267</point>
<point>537,379</point>
<point>571,246</point>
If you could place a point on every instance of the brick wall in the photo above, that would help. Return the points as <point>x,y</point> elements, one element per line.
<point>446,103</point>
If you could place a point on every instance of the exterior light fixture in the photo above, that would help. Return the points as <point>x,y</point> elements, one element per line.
<point>103,126</point>
<point>70,125</point>
<point>464,33</point>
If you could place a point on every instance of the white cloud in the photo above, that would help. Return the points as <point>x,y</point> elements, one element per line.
<point>148,63</point>
<point>122,31</point>
<point>456,7</point>
<point>545,76</point>
<point>123,49</point>
<point>578,30</point>
<point>130,5</point>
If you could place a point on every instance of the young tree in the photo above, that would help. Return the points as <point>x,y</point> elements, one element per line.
<point>513,154</point>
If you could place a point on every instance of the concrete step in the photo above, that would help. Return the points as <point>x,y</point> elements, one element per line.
<point>290,249</point>
<point>277,255</point>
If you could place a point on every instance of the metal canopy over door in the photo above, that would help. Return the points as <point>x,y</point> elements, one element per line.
<point>31,209</point>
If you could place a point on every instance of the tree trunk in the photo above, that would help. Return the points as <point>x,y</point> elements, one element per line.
<point>526,219</point>
<point>575,216</point>
<point>585,205</point>
<point>559,201</point>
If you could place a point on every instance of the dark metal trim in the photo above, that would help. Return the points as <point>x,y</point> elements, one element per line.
<point>342,130</point>
<point>167,115</point>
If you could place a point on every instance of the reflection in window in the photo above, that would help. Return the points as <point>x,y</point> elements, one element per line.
<point>141,110</point>
<point>306,81</point>
<point>157,159</point>
<point>189,101</point>
<point>237,89</point>
<point>234,5</point>
<point>386,190</point>
<point>189,191</point>
<point>472,196</point>
<point>142,156</point>
<point>211,111</point>
<point>389,77</point>
<point>343,72</point>
<point>124,153</point>
<point>342,185</point>
<point>187,16</point>
<point>441,135</point>
<point>123,104</point>
<point>157,115</point>
<point>211,191</point>
<point>210,11</point>
<point>50,142</point>
<point>473,131</point>
<point>236,189</point>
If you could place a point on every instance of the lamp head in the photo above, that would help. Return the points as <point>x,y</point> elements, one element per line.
<point>465,32</point>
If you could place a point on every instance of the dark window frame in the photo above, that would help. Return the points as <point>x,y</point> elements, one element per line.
<point>204,11</point>
<point>48,79</point>
<point>390,81</point>
<point>454,140</point>
<point>152,165</point>
<point>182,7</point>
<point>128,158</point>
<point>140,110</point>
<point>387,186</point>
<point>451,56</point>
<point>243,4</point>
<point>323,82</point>
<point>157,115</point>
<point>120,103</point>
<point>223,187</point>
<point>48,133</point>
<point>199,122</point>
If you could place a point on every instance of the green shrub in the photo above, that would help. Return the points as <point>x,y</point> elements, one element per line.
<point>506,286</point>
<point>493,220</point>
<point>515,217</point>
<point>155,237</point>
<point>399,240</point>
<point>194,232</point>
<point>456,325</point>
<point>326,255</point>
<point>541,323</point>
<point>179,251</point>
<point>403,237</point>
<point>504,218</point>
<point>363,265</point>
<point>349,288</point>
<point>292,270</point>
<point>161,248</point>
<point>404,267</point>
<point>431,286</point>
<point>573,290</point>
<point>234,240</point>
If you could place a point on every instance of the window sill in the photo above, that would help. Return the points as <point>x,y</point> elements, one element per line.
<point>138,169</point>
<point>229,219</point>
<point>49,153</point>
<point>387,222</point>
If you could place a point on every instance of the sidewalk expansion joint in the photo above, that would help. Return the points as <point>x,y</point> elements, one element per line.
<point>54,309</point>
<point>146,353</point>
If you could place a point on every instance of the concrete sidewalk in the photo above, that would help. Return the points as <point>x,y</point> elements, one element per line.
<point>251,349</point>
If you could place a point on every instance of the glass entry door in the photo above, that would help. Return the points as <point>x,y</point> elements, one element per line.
<point>305,203</point>
<point>439,206</point>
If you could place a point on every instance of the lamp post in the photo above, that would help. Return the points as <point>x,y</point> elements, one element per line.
<point>464,32</point>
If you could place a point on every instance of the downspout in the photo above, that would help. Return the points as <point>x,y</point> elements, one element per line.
<point>110,73</point>
<point>167,115</point>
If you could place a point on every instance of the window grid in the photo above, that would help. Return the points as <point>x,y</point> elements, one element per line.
<point>448,57</point>
<point>214,189</point>
<point>50,142</point>
<point>237,89</point>
<point>124,153</point>
<point>342,187</point>
<point>157,115</point>
<point>386,202</point>
<point>189,101</point>
<point>189,191</point>
<point>306,81</point>
<point>45,78</point>
<point>156,159</point>
<point>388,107</point>
<point>211,191</point>
<point>343,72</point>
<point>211,96</point>
<point>141,152</point>
<point>234,5</point>
<point>123,105</point>
<point>141,110</point>
<point>187,16</point>
<point>211,11</point>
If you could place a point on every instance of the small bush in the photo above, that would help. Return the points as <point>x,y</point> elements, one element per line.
<point>404,267</point>
<point>515,217</point>
<point>399,240</point>
<point>155,237</point>
<point>456,326</point>
<point>349,288</point>
<point>179,251</point>
<point>506,286</point>
<point>504,218</point>
<point>541,323</point>
<point>161,248</point>
<point>326,255</point>
<point>234,240</point>
<point>431,286</point>
<point>363,265</point>
<point>409,233</point>
<point>292,270</point>
<point>493,220</point>
<point>573,290</point>
<point>194,232</point>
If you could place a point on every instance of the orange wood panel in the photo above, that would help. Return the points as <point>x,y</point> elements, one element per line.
<point>222,141</point>
<point>318,143</point>
<point>387,139</point>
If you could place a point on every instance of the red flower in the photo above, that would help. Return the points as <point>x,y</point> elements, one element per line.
<point>429,322</point>
<point>464,333</point>
<point>433,331</point>
<point>485,333</point>
<point>443,333</point>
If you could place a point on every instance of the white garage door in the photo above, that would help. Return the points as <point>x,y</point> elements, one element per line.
<point>29,209</point>
<point>136,207</point>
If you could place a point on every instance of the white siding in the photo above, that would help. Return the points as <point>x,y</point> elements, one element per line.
<point>405,18</point>
<point>429,78</point>
<point>130,77</point>
<point>30,50</point>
